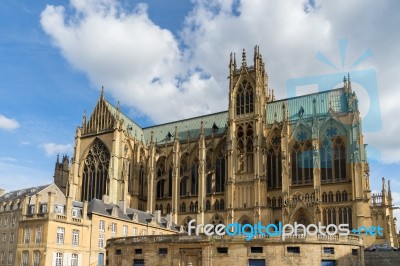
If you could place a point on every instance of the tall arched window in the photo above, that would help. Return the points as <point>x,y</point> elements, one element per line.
<point>245,147</point>
<point>195,177</point>
<point>302,163</point>
<point>274,161</point>
<point>220,173</point>
<point>183,186</point>
<point>141,181</point>
<point>170,181</point>
<point>244,99</point>
<point>160,189</point>
<point>95,172</point>
<point>333,156</point>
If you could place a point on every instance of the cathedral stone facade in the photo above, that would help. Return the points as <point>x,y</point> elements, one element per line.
<point>300,159</point>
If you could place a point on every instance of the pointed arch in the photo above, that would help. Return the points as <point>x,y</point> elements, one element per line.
<point>274,160</point>
<point>95,172</point>
<point>302,216</point>
<point>244,98</point>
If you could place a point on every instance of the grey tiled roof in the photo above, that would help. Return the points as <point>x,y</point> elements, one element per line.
<point>21,193</point>
<point>99,207</point>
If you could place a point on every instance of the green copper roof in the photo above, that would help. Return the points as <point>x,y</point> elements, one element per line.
<point>304,105</point>
<point>188,128</point>
<point>136,129</point>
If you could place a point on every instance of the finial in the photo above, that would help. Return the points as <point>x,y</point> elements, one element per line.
<point>176,132</point>
<point>389,190</point>
<point>118,106</point>
<point>234,60</point>
<point>84,118</point>
<point>383,185</point>
<point>348,81</point>
<point>244,64</point>
<point>102,92</point>
<point>58,158</point>
<point>152,136</point>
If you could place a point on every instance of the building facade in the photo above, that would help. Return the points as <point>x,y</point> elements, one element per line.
<point>12,205</point>
<point>55,230</point>
<point>203,250</point>
<point>301,159</point>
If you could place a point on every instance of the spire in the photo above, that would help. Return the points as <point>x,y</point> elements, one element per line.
<point>102,92</point>
<point>244,63</point>
<point>84,119</point>
<point>348,81</point>
<point>383,185</point>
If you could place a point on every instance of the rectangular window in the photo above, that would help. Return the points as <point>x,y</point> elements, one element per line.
<point>59,209</point>
<point>329,250</point>
<point>134,231</point>
<point>102,225</point>
<point>75,214</point>
<point>10,257</point>
<point>31,209</point>
<point>163,251</point>
<point>75,237</point>
<point>74,260</point>
<point>118,252</point>
<point>13,221</point>
<point>101,241</point>
<point>138,251</point>
<point>25,258</point>
<point>293,250</point>
<point>138,262</point>
<point>256,249</point>
<point>59,259</point>
<point>38,238</point>
<point>27,238</point>
<point>12,236</point>
<point>36,258</point>
<point>43,208</point>
<point>114,228</point>
<point>144,232</point>
<point>60,235</point>
<point>354,252</point>
<point>125,230</point>
<point>222,250</point>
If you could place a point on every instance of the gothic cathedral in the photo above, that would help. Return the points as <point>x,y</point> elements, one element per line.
<point>300,159</point>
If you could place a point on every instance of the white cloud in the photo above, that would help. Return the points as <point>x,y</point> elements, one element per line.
<point>167,76</point>
<point>8,123</point>
<point>53,149</point>
<point>8,159</point>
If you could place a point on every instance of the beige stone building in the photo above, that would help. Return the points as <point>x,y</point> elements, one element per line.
<point>12,205</point>
<point>300,159</point>
<point>203,250</point>
<point>55,230</point>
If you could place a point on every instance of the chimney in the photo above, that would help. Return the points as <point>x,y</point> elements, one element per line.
<point>106,199</point>
<point>84,210</point>
<point>122,206</point>
<point>157,216</point>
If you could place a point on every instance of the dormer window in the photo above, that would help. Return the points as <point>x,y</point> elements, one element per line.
<point>244,99</point>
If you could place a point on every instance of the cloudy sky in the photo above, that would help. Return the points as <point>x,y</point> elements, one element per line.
<point>167,60</point>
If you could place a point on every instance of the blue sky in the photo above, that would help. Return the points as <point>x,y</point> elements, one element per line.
<point>56,55</point>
